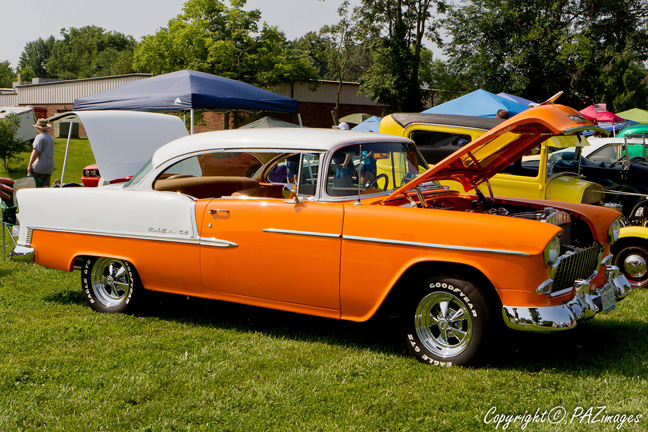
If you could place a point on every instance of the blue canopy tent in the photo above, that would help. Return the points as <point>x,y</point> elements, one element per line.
<point>479,103</point>
<point>518,99</point>
<point>370,125</point>
<point>188,90</point>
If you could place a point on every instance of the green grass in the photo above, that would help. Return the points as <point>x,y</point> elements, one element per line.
<point>189,364</point>
<point>79,156</point>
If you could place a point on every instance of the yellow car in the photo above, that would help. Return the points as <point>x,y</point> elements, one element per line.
<point>438,135</point>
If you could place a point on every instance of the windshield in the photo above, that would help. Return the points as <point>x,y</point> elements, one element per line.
<point>372,168</point>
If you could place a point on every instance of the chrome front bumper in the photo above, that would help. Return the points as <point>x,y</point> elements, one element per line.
<point>22,254</point>
<point>584,305</point>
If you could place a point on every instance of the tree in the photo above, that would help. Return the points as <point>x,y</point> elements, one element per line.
<point>35,56</point>
<point>538,47</point>
<point>7,75</point>
<point>90,51</point>
<point>10,144</point>
<point>397,29</point>
<point>211,37</point>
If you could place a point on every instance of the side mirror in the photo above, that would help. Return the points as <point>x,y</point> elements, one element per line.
<point>290,191</point>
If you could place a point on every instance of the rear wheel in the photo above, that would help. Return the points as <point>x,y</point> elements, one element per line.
<point>631,256</point>
<point>109,284</point>
<point>446,321</point>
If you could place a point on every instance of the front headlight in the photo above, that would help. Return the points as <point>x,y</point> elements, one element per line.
<point>552,251</point>
<point>613,231</point>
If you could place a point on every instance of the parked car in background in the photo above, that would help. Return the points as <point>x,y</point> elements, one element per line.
<point>367,218</point>
<point>536,174</point>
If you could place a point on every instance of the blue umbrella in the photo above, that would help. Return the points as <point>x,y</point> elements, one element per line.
<point>518,99</point>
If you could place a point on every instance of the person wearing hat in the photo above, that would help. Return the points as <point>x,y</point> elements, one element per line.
<point>41,161</point>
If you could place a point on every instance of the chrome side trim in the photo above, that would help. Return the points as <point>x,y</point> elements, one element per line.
<point>561,292</point>
<point>207,241</point>
<point>303,233</point>
<point>435,246</point>
<point>176,239</point>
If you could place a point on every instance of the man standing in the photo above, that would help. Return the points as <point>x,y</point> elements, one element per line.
<point>41,161</point>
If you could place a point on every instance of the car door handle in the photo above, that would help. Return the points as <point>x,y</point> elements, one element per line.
<point>214,211</point>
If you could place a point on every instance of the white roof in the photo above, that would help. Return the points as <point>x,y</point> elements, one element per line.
<point>14,110</point>
<point>122,141</point>
<point>289,139</point>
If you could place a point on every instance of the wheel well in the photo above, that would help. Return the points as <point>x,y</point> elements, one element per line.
<point>399,292</point>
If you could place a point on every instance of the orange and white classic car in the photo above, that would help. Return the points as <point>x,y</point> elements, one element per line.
<point>362,212</point>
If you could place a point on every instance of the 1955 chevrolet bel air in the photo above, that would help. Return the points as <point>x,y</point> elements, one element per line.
<point>362,211</point>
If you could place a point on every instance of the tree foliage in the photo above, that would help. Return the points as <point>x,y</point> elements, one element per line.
<point>212,37</point>
<point>397,29</point>
<point>85,52</point>
<point>7,75</point>
<point>10,145</point>
<point>538,47</point>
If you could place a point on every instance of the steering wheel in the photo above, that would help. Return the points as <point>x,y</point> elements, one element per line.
<point>621,161</point>
<point>375,180</point>
<point>638,159</point>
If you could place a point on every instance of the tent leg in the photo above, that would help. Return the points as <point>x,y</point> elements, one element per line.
<point>67,148</point>
<point>192,121</point>
<point>299,118</point>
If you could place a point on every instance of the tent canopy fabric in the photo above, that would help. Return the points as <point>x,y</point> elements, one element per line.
<point>479,103</point>
<point>372,124</point>
<point>600,116</point>
<point>187,90</point>
<point>518,99</point>
<point>268,122</point>
<point>635,114</point>
<point>356,118</point>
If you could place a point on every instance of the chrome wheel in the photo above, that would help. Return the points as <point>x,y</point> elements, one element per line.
<point>110,281</point>
<point>632,259</point>
<point>443,324</point>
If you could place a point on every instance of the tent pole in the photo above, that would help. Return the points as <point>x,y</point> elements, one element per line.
<point>192,121</point>
<point>299,118</point>
<point>67,147</point>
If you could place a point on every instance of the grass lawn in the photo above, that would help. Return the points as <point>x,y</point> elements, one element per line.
<point>79,156</point>
<point>189,364</point>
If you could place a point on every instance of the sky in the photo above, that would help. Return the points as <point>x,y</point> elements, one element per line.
<point>23,21</point>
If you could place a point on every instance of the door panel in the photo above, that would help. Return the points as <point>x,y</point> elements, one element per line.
<point>273,249</point>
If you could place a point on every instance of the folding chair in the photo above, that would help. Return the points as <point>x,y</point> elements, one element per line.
<point>9,207</point>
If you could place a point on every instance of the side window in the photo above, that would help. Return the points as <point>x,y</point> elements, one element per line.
<point>308,173</point>
<point>435,146</point>
<point>527,166</point>
<point>232,164</point>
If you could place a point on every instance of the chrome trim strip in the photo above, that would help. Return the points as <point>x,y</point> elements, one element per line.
<point>176,239</point>
<point>207,241</point>
<point>561,292</point>
<point>435,246</point>
<point>304,233</point>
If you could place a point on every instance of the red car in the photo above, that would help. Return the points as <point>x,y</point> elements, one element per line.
<point>91,177</point>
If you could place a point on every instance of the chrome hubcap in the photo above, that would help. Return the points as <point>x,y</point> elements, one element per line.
<point>635,265</point>
<point>110,281</point>
<point>443,324</point>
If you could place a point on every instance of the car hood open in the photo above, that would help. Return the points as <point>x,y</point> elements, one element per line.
<point>489,154</point>
<point>122,141</point>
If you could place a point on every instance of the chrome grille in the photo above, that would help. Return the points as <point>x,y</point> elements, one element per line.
<point>575,265</point>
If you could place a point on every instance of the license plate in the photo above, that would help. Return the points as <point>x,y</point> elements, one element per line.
<point>608,299</point>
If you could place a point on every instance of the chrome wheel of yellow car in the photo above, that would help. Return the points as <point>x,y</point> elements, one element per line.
<point>631,256</point>
<point>445,321</point>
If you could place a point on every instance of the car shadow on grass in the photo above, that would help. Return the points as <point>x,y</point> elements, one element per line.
<point>593,348</point>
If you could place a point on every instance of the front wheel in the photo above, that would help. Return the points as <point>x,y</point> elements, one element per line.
<point>109,284</point>
<point>445,321</point>
<point>631,256</point>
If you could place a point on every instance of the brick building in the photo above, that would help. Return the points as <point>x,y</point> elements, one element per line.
<point>51,97</point>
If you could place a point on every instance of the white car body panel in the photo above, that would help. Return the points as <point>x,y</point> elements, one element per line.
<point>122,141</point>
<point>168,216</point>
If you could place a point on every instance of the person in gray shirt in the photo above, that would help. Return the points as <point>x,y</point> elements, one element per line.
<point>41,161</point>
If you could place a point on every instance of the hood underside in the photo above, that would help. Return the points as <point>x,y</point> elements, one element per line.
<point>492,152</point>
